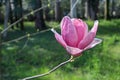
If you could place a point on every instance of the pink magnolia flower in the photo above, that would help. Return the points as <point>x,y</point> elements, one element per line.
<point>75,37</point>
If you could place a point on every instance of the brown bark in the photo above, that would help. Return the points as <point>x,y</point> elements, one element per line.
<point>92,9</point>
<point>11,16</point>
<point>21,15</point>
<point>6,17</point>
<point>57,10</point>
<point>15,11</point>
<point>39,21</point>
<point>106,13</point>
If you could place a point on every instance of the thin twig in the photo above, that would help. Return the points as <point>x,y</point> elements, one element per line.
<point>22,37</point>
<point>32,12</point>
<point>73,8</point>
<point>25,44</point>
<point>56,67</point>
<point>21,19</point>
<point>52,70</point>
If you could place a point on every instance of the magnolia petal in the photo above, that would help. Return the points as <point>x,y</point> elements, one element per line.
<point>86,41</point>
<point>95,27</point>
<point>74,51</point>
<point>68,32</point>
<point>86,29</point>
<point>81,28</point>
<point>94,43</point>
<point>59,38</point>
<point>90,37</point>
<point>63,22</point>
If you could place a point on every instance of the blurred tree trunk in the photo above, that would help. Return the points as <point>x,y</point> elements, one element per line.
<point>113,8</point>
<point>39,21</point>
<point>86,10</point>
<point>7,4</point>
<point>18,13</point>
<point>57,10</point>
<point>11,14</point>
<point>106,12</point>
<point>82,12</point>
<point>47,16</point>
<point>73,13</point>
<point>0,57</point>
<point>0,43</point>
<point>1,15</point>
<point>21,15</point>
<point>92,9</point>
<point>15,11</point>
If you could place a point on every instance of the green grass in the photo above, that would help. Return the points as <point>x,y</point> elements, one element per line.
<point>40,53</point>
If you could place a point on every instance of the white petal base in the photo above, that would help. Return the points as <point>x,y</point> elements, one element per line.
<point>74,51</point>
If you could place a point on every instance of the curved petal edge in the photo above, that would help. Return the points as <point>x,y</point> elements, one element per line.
<point>59,38</point>
<point>95,42</point>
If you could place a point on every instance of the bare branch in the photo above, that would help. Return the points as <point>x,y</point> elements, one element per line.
<point>21,19</point>
<point>52,70</point>
<point>25,36</point>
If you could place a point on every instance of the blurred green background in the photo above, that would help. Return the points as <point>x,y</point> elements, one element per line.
<point>38,51</point>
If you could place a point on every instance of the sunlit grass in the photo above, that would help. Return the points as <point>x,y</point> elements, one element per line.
<point>42,52</point>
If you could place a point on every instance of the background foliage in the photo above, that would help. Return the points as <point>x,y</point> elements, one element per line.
<point>38,51</point>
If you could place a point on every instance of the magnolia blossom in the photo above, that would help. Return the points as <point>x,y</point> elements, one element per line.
<point>75,37</point>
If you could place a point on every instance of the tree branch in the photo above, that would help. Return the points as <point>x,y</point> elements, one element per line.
<point>22,19</point>
<point>32,12</point>
<point>25,36</point>
<point>52,70</point>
